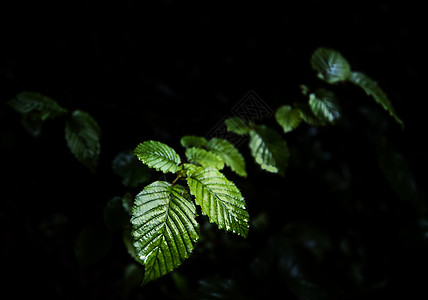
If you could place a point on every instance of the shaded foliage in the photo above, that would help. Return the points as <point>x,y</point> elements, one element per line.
<point>348,220</point>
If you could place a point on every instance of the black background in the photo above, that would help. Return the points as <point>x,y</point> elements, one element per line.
<point>163,69</point>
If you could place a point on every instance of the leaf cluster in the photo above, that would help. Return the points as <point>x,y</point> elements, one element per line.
<point>82,132</point>
<point>164,214</point>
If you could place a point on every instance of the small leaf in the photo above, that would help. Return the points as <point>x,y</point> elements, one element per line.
<point>83,138</point>
<point>325,105</point>
<point>204,158</point>
<point>288,117</point>
<point>158,156</point>
<point>92,244</point>
<point>398,174</point>
<point>115,216</point>
<point>372,89</point>
<point>237,125</point>
<point>269,150</point>
<point>230,155</point>
<point>219,199</point>
<point>132,172</point>
<point>190,141</point>
<point>41,107</point>
<point>164,228</point>
<point>309,117</point>
<point>331,66</point>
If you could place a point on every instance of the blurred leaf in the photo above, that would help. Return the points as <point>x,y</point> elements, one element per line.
<point>204,158</point>
<point>309,117</point>
<point>32,124</point>
<point>190,141</point>
<point>398,174</point>
<point>237,125</point>
<point>132,278</point>
<point>288,117</point>
<point>331,66</point>
<point>158,156</point>
<point>325,105</point>
<point>92,244</point>
<point>219,288</point>
<point>269,149</point>
<point>229,153</point>
<point>219,199</point>
<point>165,229</point>
<point>128,167</point>
<point>41,107</point>
<point>372,89</point>
<point>83,138</point>
<point>115,216</point>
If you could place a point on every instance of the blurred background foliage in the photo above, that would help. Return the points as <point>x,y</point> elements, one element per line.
<point>348,221</point>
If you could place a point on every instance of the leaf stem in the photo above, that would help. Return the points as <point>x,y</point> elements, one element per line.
<point>175,180</point>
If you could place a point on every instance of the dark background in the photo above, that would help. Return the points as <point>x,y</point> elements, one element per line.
<point>333,228</point>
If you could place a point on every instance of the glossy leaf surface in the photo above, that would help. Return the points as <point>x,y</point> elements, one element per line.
<point>159,156</point>
<point>229,153</point>
<point>204,158</point>
<point>164,228</point>
<point>219,199</point>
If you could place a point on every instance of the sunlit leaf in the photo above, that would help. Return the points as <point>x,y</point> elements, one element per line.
<point>309,117</point>
<point>325,105</point>
<point>164,228</point>
<point>237,125</point>
<point>331,66</point>
<point>190,141</point>
<point>204,158</point>
<point>288,117</point>
<point>269,150</point>
<point>83,138</point>
<point>372,89</point>
<point>230,155</point>
<point>219,199</point>
<point>158,156</point>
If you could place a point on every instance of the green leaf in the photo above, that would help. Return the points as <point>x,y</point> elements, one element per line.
<point>219,199</point>
<point>204,158</point>
<point>399,175</point>
<point>309,117</point>
<point>158,156</point>
<point>325,105</point>
<point>132,172</point>
<point>83,138</point>
<point>230,155</point>
<point>164,228</point>
<point>92,244</point>
<point>190,141</point>
<point>41,107</point>
<point>372,89</point>
<point>268,149</point>
<point>237,125</point>
<point>115,216</point>
<point>331,66</point>
<point>288,117</point>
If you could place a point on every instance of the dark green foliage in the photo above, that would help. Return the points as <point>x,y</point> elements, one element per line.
<point>163,216</point>
<point>82,132</point>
